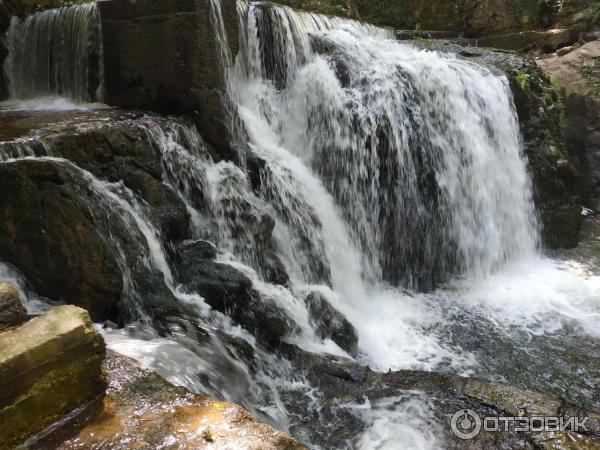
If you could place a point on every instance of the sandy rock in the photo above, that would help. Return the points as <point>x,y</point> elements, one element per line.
<point>49,366</point>
<point>11,308</point>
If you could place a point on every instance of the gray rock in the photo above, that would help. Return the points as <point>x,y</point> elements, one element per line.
<point>11,309</point>
<point>330,323</point>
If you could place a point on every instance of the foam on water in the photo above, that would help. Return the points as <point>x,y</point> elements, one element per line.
<point>403,422</point>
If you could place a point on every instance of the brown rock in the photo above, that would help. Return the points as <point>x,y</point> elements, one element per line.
<point>11,308</point>
<point>47,232</point>
<point>578,75</point>
<point>164,55</point>
<point>48,367</point>
<point>142,410</point>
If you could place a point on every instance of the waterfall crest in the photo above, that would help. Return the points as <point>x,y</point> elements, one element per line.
<point>56,52</point>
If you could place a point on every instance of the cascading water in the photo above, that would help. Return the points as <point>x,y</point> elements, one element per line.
<point>420,151</point>
<point>56,52</point>
<point>377,166</point>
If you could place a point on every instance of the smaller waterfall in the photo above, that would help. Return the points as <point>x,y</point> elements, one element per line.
<point>56,52</point>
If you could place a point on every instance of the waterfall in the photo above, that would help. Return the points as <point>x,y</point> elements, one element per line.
<point>420,151</point>
<point>56,52</point>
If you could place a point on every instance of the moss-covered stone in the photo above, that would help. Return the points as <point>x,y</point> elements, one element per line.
<point>48,367</point>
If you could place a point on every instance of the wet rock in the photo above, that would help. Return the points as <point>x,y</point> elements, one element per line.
<point>48,234</point>
<point>48,367</point>
<point>146,68</point>
<point>118,149</point>
<point>142,410</point>
<point>12,311</point>
<point>168,212</point>
<point>271,267</point>
<point>342,382</point>
<point>228,290</point>
<point>198,250</point>
<point>330,323</point>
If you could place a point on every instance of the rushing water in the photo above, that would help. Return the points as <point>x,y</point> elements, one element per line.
<point>398,188</point>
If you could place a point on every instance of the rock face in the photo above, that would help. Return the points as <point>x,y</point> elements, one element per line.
<point>48,367</point>
<point>164,55</point>
<point>578,74</point>
<point>228,290</point>
<point>12,311</point>
<point>48,233</point>
<point>143,411</point>
<point>330,323</point>
<point>470,16</point>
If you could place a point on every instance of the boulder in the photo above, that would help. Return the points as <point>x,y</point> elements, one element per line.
<point>48,233</point>
<point>11,309</point>
<point>142,410</point>
<point>545,40</point>
<point>48,367</point>
<point>230,291</point>
<point>116,146</point>
<point>330,323</point>
<point>166,56</point>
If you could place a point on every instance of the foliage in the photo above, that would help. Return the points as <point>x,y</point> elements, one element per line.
<point>523,80</point>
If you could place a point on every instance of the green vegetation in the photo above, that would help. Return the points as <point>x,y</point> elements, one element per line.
<point>591,72</point>
<point>523,80</point>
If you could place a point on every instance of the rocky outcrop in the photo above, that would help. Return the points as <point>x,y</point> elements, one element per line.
<point>577,73</point>
<point>48,233</point>
<point>228,290</point>
<point>469,16</point>
<point>330,323</point>
<point>48,367</point>
<point>143,411</point>
<point>166,56</point>
<point>12,311</point>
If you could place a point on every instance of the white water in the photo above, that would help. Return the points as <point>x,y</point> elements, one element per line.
<point>406,422</point>
<point>385,165</point>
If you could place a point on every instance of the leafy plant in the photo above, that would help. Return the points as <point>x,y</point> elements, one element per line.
<point>523,80</point>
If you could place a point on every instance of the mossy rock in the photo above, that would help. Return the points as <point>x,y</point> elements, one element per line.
<point>48,367</point>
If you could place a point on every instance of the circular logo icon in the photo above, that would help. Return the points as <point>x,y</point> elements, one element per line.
<point>465,424</point>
